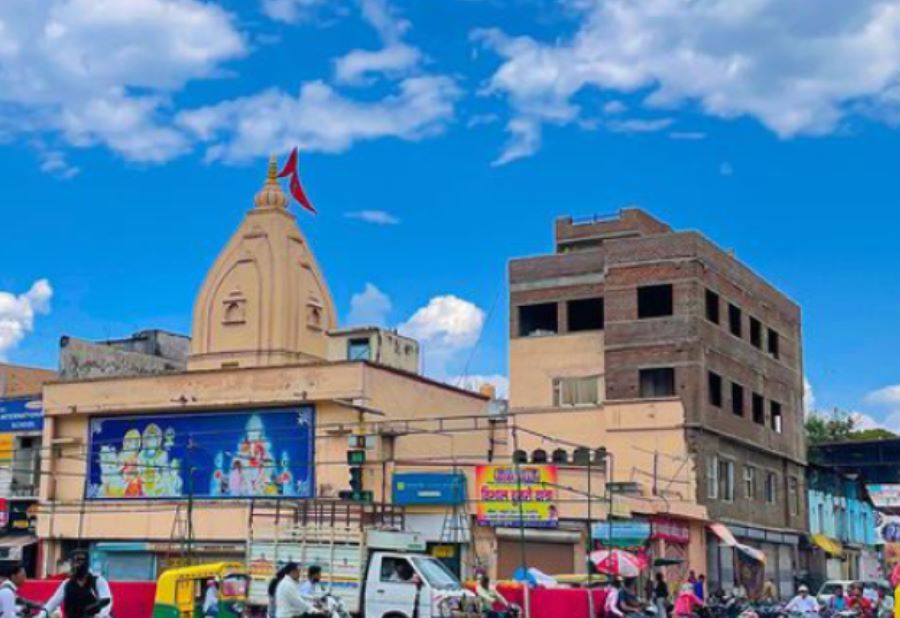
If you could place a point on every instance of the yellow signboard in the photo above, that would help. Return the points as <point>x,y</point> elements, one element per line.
<point>7,446</point>
<point>523,495</point>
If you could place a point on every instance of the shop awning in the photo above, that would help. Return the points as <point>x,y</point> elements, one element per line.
<point>828,545</point>
<point>728,539</point>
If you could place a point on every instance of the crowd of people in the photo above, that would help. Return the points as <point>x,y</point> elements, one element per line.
<point>690,600</point>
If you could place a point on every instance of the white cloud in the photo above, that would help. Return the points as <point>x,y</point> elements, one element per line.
<point>369,307</point>
<point>55,163</point>
<point>638,125</point>
<point>887,396</point>
<point>100,71</point>
<point>797,68</point>
<point>320,118</point>
<point>809,397</point>
<point>394,59</point>
<point>17,313</point>
<point>445,327</point>
<point>524,140</point>
<point>378,217</point>
<point>290,11</point>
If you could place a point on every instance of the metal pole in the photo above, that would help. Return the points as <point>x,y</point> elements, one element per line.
<point>518,470</point>
<point>590,526</point>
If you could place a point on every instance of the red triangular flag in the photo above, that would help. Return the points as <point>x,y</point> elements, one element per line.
<point>290,167</point>
<point>298,193</point>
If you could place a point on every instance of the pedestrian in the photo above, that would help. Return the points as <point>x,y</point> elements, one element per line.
<point>687,603</point>
<point>611,603</point>
<point>211,600</point>
<point>273,585</point>
<point>11,577</point>
<point>289,603</point>
<point>661,596</point>
<point>769,592</point>
<point>83,592</point>
<point>488,596</point>
<point>803,604</point>
<point>885,604</point>
<point>699,586</point>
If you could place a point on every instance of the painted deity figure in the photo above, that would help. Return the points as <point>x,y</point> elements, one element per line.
<point>255,453</point>
<point>154,461</point>
<point>112,483</point>
<point>129,464</point>
<point>218,482</point>
<point>285,479</point>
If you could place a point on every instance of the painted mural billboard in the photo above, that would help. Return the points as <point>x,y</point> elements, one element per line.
<point>240,454</point>
<point>500,491</point>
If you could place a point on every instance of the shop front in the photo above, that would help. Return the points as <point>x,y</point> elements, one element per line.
<point>670,547</point>
<point>751,556</point>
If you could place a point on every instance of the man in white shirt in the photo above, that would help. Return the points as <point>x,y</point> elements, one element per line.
<point>803,603</point>
<point>11,577</point>
<point>289,603</point>
<point>611,605</point>
<point>81,592</point>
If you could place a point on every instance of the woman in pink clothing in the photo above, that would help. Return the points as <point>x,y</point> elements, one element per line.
<point>687,603</point>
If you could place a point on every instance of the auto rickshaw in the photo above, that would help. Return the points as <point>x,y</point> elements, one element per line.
<point>182,593</point>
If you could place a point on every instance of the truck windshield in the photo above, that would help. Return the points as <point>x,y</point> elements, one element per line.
<point>436,574</point>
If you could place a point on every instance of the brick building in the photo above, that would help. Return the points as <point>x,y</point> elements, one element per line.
<point>628,312</point>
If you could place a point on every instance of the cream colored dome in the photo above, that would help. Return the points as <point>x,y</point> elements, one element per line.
<point>264,301</point>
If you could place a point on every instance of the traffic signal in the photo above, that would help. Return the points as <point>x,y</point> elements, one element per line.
<point>356,480</point>
<point>356,459</point>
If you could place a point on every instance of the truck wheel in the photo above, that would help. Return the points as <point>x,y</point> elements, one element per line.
<point>395,615</point>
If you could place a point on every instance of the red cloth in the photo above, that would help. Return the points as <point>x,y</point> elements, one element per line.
<point>137,597</point>
<point>291,168</point>
<point>554,602</point>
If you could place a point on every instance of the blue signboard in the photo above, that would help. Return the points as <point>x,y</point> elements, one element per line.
<point>636,532</point>
<point>21,414</point>
<point>429,488</point>
<point>245,454</point>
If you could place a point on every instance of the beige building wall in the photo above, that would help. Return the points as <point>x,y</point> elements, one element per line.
<point>349,397</point>
<point>534,362</point>
<point>385,347</point>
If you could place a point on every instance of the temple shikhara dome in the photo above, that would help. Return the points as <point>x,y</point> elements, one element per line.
<point>264,301</point>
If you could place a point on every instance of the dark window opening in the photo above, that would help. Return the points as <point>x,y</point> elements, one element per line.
<point>585,314</point>
<point>520,456</point>
<point>737,399</point>
<point>560,455</point>
<point>655,301</point>
<point>715,389</point>
<point>734,320</point>
<point>712,306</point>
<point>657,382</point>
<point>759,409</point>
<point>537,320</point>
<point>539,456</point>
<point>581,456</point>
<point>775,409</point>
<point>773,343</point>
<point>755,333</point>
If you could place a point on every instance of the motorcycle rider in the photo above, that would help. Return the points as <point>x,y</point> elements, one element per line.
<point>488,596</point>
<point>803,603</point>
<point>12,576</point>
<point>81,593</point>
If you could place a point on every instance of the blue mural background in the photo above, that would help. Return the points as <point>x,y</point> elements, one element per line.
<point>234,454</point>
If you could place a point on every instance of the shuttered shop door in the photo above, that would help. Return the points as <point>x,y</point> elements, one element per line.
<point>551,558</point>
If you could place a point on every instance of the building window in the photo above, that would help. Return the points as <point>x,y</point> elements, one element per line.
<point>712,306</point>
<point>560,456</point>
<point>773,343</point>
<point>750,482</point>
<point>536,320</point>
<point>657,382</point>
<point>759,409</point>
<point>777,421</point>
<point>755,333</point>
<point>712,477</point>
<point>714,382</point>
<point>734,320</point>
<point>655,301</point>
<point>520,457</point>
<point>358,349</point>
<point>585,314</point>
<point>793,496</point>
<point>579,391</point>
<point>771,488</point>
<point>737,399</point>
<point>726,480</point>
<point>539,456</point>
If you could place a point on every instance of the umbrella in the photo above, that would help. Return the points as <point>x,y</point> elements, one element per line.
<point>617,562</point>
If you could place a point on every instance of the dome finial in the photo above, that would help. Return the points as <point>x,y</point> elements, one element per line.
<point>271,195</point>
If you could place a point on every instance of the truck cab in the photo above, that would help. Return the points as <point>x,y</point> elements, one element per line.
<point>396,581</point>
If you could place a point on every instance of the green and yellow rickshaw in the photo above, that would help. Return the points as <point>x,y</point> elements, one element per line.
<point>190,592</point>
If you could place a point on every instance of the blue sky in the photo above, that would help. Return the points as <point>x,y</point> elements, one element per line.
<point>441,138</point>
